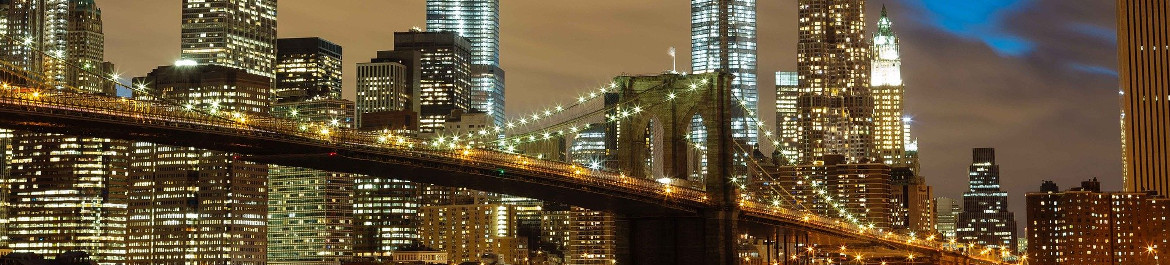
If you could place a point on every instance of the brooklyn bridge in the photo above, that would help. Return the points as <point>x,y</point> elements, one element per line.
<point>684,189</point>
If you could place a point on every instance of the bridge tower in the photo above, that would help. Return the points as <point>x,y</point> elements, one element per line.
<point>682,134</point>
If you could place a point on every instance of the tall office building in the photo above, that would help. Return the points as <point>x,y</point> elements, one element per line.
<point>239,34</point>
<point>833,60</point>
<point>1086,226</point>
<point>385,216</point>
<point>912,202</point>
<point>863,190</point>
<point>310,212</point>
<point>985,219</point>
<point>189,205</point>
<point>307,68</point>
<point>468,231</point>
<point>479,22</point>
<point>787,93</point>
<point>5,188</point>
<point>68,193</point>
<point>591,237</point>
<point>61,39</point>
<point>947,211</point>
<point>65,192</point>
<point>386,209</point>
<point>389,82</point>
<point>711,21</point>
<point>1143,70</point>
<point>445,74</point>
<point>889,129</point>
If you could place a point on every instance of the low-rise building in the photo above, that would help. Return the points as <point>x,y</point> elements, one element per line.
<point>1086,226</point>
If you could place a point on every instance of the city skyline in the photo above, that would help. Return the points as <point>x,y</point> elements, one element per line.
<point>1046,114</point>
<point>1022,132</point>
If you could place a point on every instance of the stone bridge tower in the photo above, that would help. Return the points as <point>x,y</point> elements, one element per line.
<point>681,134</point>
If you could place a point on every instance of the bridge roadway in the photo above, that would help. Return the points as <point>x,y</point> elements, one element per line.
<point>318,146</point>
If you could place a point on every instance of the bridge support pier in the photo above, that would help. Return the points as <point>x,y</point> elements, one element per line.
<point>698,240</point>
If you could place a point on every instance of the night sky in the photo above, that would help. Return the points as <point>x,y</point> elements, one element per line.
<point>1035,79</point>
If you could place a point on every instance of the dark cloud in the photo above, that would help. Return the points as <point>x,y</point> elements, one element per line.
<point>1050,110</point>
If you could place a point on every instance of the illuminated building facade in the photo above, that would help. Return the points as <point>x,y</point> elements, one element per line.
<point>947,211</point>
<point>63,192</point>
<point>985,219</point>
<point>445,74</point>
<point>787,93</point>
<point>833,61</point>
<point>232,33</point>
<point>189,205</point>
<point>1086,226</point>
<point>385,216</point>
<point>1144,73</point>
<point>310,212</point>
<point>389,82</point>
<point>736,56</point>
<point>68,193</point>
<point>912,202</point>
<point>5,160</point>
<point>468,231</point>
<point>68,32</point>
<point>307,68</point>
<point>863,190</point>
<point>889,129</point>
<point>591,237</point>
<point>479,22</point>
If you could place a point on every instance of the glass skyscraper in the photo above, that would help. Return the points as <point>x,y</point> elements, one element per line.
<point>479,22</point>
<point>233,33</point>
<point>736,56</point>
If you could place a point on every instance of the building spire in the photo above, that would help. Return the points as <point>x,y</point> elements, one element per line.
<point>885,25</point>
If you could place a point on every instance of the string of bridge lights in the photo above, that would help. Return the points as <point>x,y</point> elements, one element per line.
<point>620,111</point>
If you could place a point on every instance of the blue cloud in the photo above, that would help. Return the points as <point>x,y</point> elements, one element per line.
<point>1094,69</point>
<point>980,20</point>
<point>1096,31</point>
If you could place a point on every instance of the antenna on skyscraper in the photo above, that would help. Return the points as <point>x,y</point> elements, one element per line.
<point>673,61</point>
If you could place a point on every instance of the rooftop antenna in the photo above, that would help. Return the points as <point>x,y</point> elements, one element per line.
<point>673,61</point>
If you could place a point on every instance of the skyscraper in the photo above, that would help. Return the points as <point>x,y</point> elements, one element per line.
<point>985,219</point>
<point>389,82</point>
<point>239,34</point>
<point>307,68</point>
<point>833,60</point>
<point>711,20</point>
<point>1144,71</point>
<point>445,79</point>
<point>468,231</point>
<point>889,130</point>
<point>189,205</point>
<point>66,192</point>
<point>479,22</point>
<point>787,92</point>
<point>62,39</point>
<point>310,212</point>
<point>861,191</point>
<point>5,160</point>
